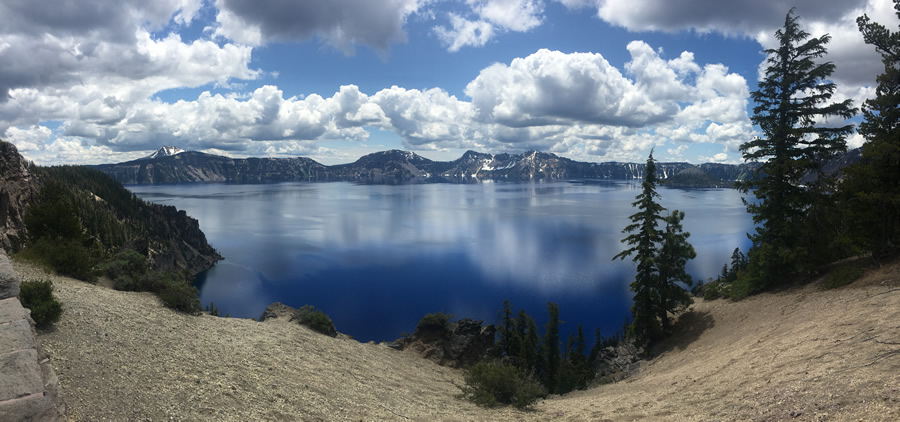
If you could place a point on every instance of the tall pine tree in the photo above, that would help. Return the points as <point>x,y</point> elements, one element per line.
<point>871,190</point>
<point>643,242</point>
<point>660,255</point>
<point>794,96</point>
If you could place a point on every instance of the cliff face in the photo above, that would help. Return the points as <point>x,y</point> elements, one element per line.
<point>393,167</point>
<point>170,239</point>
<point>17,190</point>
<point>191,167</point>
<point>182,245</point>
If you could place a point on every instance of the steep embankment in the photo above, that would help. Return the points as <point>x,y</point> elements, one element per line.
<point>803,354</point>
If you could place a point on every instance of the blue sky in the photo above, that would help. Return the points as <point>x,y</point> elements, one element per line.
<point>98,81</point>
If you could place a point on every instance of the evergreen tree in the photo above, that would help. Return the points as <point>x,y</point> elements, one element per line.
<point>580,345</point>
<point>793,95</point>
<point>642,241</point>
<point>673,255</point>
<point>509,338</point>
<point>551,348</point>
<point>528,356</point>
<point>871,190</point>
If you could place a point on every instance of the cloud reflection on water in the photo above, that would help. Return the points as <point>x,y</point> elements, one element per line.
<point>360,250</point>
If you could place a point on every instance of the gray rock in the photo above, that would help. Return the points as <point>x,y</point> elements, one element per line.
<point>460,345</point>
<point>9,281</point>
<point>278,310</point>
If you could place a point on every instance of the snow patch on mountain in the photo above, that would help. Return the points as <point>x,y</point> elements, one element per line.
<point>165,151</point>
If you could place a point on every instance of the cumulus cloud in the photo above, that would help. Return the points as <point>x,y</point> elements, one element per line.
<point>487,18</point>
<point>464,33</point>
<point>340,23</point>
<point>574,104</point>
<point>97,39</point>
<point>857,64</point>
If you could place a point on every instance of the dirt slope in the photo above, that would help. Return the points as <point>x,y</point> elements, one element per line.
<point>799,355</point>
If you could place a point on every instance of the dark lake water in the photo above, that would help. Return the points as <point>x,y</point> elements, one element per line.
<point>377,258</point>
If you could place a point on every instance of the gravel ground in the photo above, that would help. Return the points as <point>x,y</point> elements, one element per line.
<point>803,354</point>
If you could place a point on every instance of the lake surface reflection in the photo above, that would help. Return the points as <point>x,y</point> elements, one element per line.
<point>377,258</point>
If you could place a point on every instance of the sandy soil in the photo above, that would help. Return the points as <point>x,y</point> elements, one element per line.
<point>802,354</point>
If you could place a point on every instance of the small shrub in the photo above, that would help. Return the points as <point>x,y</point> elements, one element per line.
<point>492,382</point>
<point>843,276</point>
<point>38,296</point>
<point>741,288</point>
<point>181,296</point>
<point>315,320</point>
<point>436,320</point>
<point>713,290</point>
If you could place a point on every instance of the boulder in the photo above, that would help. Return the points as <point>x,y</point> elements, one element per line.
<point>9,281</point>
<point>618,362</point>
<point>278,310</point>
<point>460,344</point>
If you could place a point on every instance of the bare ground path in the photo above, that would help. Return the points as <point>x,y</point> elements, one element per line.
<point>803,354</point>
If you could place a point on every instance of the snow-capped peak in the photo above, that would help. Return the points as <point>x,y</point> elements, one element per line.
<point>165,151</point>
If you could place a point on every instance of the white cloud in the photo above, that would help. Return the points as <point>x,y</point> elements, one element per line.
<point>464,33</point>
<point>488,18</point>
<point>427,118</point>
<point>511,15</point>
<point>857,64</point>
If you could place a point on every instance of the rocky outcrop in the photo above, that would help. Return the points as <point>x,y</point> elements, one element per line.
<point>278,310</point>
<point>29,389</point>
<point>17,188</point>
<point>459,344</point>
<point>618,362</point>
<point>178,243</point>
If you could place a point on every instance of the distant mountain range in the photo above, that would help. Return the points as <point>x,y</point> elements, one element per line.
<point>172,165</point>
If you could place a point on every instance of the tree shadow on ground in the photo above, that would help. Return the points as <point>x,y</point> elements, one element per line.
<point>687,329</point>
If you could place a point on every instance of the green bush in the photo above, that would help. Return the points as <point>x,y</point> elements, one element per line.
<point>37,295</point>
<point>147,282</point>
<point>492,382</point>
<point>742,287</point>
<point>125,263</point>
<point>713,290</point>
<point>843,276</point>
<point>438,320</point>
<point>315,320</point>
<point>181,296</point>
<point>66,257</point>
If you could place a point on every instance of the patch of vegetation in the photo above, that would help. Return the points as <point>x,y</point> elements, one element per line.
<point>315,320</point>
<point>212,309</point>
<point>493,382</point>
<point>81,217</point>
<point>437,320</point>
<point>37,295</point>
<point>181,296</point>
<point>843,276</point>
<point>56,237</point>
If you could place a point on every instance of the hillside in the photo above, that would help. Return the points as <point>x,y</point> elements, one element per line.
<point>392,167</point>
<point>802,354</point>
<point>110,215</point>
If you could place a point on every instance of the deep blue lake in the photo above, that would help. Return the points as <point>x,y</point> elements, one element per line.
<point>377,258</point>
